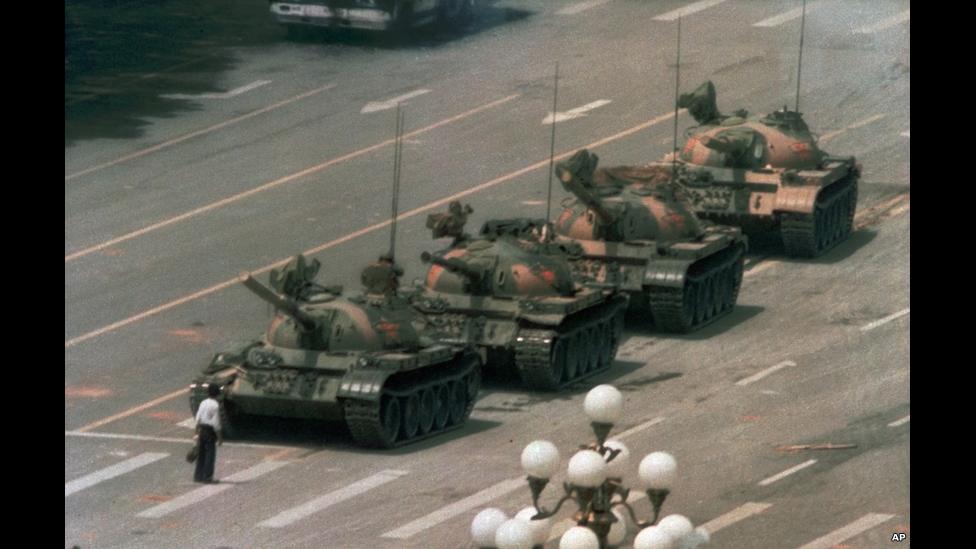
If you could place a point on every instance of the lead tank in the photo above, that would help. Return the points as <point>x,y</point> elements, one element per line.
<point>520,305</point>
<point>369,361</point>
<point>766,173</point>
<point>638,233</point>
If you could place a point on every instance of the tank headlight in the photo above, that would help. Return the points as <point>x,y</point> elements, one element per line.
<point>363,362</point>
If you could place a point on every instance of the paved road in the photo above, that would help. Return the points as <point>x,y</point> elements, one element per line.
<point>269,153</point>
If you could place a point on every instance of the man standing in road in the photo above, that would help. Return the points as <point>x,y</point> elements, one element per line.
<point>208,431</point>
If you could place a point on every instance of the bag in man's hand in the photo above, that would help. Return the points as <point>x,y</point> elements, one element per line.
<point>194,452</point>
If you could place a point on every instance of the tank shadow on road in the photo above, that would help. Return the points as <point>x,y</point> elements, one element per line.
<point>739,315</point>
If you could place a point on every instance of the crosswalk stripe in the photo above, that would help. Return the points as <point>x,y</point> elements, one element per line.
<point>328,500</point>
<point>866,522</point>
<point>456,508</point>
<point>110,472</point>
<point>210,490</point>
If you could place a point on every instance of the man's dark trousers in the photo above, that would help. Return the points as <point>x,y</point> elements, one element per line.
<point>208,454</point>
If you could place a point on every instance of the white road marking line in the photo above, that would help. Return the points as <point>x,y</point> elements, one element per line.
<point>328,500</point>
<point>189,423</point>
<point>120,436</point>
<point>578,112</point>
<point>885,320</point>
<point>761,267</point>
<point>112,471</point>
<point>191,135</point>
<point>739,513</point>
<point>743,511</point>
<point>376,106</point>
<point>830,135</point>
<point>638,428</point>
<point>450,511</point>
<point>901,421</point>
<point>885,23</point>
<point>226,95</point>
<point>687,10</point>
<point>786,473</point>
<point>376,226</point>
<point>533,202</point>
<point>906,133</point>
<point>790,15</point>
<point>131,411</point>
<point>582,6</point>
<point>759,375</point>
<point>837,536</point>
<point>280,181</point>
<point>204,492</point>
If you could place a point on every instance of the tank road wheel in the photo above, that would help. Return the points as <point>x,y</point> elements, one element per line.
<point>411,416</point>
<point>442,406</point>
<point>558,362</point>
<point>459,401</point>
<point>594,349</point>
<point>390,418</point>
<point>572,357</point>
<point>616,334</point>
<point>427,404</point>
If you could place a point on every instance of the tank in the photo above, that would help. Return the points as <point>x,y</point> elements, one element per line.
<point>520,305</point>
<point>637,232</point>
<point>767,174</point>
<point>370,361</point>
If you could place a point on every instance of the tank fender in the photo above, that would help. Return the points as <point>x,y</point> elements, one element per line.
<point>363,384</point>
<point>796,199</point>
<point>669,273</point>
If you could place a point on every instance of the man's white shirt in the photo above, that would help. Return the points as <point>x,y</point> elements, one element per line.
<point>209,413</point>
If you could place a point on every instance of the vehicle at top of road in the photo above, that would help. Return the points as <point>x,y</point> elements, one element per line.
<point>516,299</point>
<point>766,173</point>
<point>379,15</point>
<point>369,360</point>
<point>638,233</point>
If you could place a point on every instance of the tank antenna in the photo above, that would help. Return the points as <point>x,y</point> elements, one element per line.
<point>677,83</point>
<point>799,64</point>
<point>397,156</point>
<point>552,139</point>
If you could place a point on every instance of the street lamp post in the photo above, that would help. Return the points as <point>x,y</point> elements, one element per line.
<point>595,485</point>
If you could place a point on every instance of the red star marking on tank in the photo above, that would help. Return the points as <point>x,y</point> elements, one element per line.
<point>389,329</point>
<point>548,276</point>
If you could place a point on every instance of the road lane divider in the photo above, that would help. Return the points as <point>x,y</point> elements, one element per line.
<point>885,320</point>
<point>786,473</point>
<point>145,438</point>
<point>210,490</point>
<point>759,375</point>
<point>688,10</point>
<point>573,9</point>
<point>900,422</point>
<point>840,535</point>
<point>789,15</point>
<point>280,181</point>
<point>191,135</point>
<point>328,500</point>
<point>111,472</point>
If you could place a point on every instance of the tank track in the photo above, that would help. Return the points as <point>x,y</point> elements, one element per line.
<point>365,421</point>
<point>810,235</point>
<point>575,344</point>
<point>706,296</point>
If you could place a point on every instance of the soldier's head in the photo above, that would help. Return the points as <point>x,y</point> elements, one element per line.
<point>213,390</point>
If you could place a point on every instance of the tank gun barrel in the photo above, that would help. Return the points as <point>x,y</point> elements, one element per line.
<point>287,306</point>
<point>454,265</point>
<point>573,183</point>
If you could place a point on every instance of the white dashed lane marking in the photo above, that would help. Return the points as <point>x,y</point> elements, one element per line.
<point>328,500</point>
<point>786,473</point>
<point>376,106</point>
<point>578,112</point>
<point>226,95</point>
<point>582,6</point>
<point>759,375</point>
<point>687,10</point>
<point>885,320</point>
<point>204,492</point>
<point>900,422</point>
<point>837,536</point>
<point>886,23</point>
<point>790,15</point>
<point>111,472</point>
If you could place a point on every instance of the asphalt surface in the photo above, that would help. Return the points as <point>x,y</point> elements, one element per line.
<point>157,228</point>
